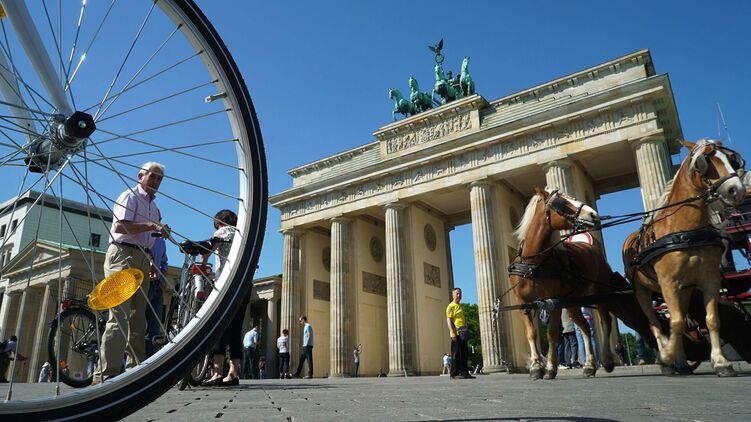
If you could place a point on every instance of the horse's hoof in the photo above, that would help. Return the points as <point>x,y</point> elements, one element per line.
<point>725,371</point>
<point>589,372</point>
<point>667,370</point>
<point>536,373</point>
<point>550,375</point>
<point>608,367</point>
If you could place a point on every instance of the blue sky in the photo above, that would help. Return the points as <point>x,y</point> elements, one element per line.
<point>319,72</point>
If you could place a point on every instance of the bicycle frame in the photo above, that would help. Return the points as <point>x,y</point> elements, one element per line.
<point>28,36</point>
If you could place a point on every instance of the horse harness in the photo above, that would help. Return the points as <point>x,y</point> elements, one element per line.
<point>706,236</point>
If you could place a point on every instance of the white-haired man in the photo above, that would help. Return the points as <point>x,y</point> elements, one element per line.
<point>135,218</point>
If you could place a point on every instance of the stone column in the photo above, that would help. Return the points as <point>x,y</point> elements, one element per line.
<point>654,167</point>
<point>24,338</point>
<point>292,291</point>
<point>272,333</point>
<point>39,351</point>
<point>341,285</point>
<point>486,270</point>
<point>9,301</point>
<point>396,289</point>
<point>449,263</point>
<point>558,176</point>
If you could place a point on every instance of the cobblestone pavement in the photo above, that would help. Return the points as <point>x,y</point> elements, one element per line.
<point>628,394</point>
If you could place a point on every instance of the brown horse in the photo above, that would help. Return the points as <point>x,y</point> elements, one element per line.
<point>547,268</point>
<point>692,257</point>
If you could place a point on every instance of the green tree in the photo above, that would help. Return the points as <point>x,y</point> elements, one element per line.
<point>628,340</point>
<point>472,317</point>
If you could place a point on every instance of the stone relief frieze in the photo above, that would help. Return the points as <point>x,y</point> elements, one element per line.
<point>429,133</point>
<point>551,136</point>
<point>321,290</point>
<point>373,283</point>
<point>432,275</point>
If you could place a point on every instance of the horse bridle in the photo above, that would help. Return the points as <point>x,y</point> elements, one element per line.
<point>701,164</point>
<point>558,204</point>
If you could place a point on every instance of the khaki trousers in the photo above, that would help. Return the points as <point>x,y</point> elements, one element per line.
<point>126,325</point>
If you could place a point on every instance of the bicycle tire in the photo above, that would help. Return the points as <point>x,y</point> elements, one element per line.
<point>69,317</point>
<point>134,389</point>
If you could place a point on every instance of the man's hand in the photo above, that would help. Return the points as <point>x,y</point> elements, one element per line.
<point>452,334</point>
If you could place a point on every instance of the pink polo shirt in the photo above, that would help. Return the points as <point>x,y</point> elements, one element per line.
<point>136,206</point>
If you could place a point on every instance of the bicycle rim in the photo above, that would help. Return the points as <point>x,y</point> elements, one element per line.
<point>154,111</point>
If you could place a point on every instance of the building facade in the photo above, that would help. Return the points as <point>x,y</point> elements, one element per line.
<point>366,232</point>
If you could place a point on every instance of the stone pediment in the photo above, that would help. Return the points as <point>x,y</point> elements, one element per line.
<point>430,128</point>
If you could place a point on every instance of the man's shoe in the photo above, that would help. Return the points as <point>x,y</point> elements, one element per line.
<point>308,377</point>
<point>642,362</point>
<point>467,376</point>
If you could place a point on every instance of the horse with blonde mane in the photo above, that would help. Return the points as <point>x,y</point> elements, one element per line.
<point>676,250</point>
<point>547,268</point>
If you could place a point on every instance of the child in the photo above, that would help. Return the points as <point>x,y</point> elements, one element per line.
<point>261,367</point>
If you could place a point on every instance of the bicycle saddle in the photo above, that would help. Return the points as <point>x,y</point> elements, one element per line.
<point>195,248</point>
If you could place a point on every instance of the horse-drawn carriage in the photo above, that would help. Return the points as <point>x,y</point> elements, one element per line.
<point>674,257</point>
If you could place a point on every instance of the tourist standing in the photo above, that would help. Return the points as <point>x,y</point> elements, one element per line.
<point>250,344</point>
<point>282,343</point>
<point>307,348</point>
<point>225,222</point>
<point>356,352</point>
<point>135,217</point>
<point>459,336</point>
<point>569,340</point>
<point>45,374</point>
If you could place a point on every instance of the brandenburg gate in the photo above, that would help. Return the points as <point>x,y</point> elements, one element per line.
<point>366,231</point>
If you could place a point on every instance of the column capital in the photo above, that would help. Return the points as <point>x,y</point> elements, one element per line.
<point>341,219</point>
<point>560,162</point>
<point>396,205</point>
<point>292,232</point>
<point>654,138</point>
<point>480,183</point>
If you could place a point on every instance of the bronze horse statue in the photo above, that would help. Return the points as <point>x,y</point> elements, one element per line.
<point>547,268</point>
<point>421,100</point>
<point>676,250</point>
<point>401,104</point>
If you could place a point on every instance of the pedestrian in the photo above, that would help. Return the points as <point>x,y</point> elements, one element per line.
<point>7,353</point>
<point>45,374</point>
<point>569,340</point>
<point>356,352</point>
<point>282,343</point>
<point>155,309</point>
<point>587,312</point>
<point>250,353</point>
<point>459,336</point>
<point>262,367</point>
<point>224,223</point>
<point>135,217</point>
<point>641,355</point>
<point>446,364</point>
<point>307,348</point>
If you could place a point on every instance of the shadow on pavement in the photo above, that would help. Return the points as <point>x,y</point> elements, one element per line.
<point>533,419</point>
<point>245,387</point>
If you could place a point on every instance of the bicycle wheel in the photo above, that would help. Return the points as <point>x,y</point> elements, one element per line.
<point>160,85</point>
<point>78,346</point>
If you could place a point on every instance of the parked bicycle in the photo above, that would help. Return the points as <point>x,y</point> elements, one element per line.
<point>78,351</point>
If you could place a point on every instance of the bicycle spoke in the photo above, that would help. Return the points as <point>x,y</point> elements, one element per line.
<point>117,75</point>
<point>91,43</point>
<point>75,43</point>
<point>140,69</point>
<point>167,69</point>
<point>166,97</point>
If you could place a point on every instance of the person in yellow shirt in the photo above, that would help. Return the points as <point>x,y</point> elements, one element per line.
<point>459,336</point>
